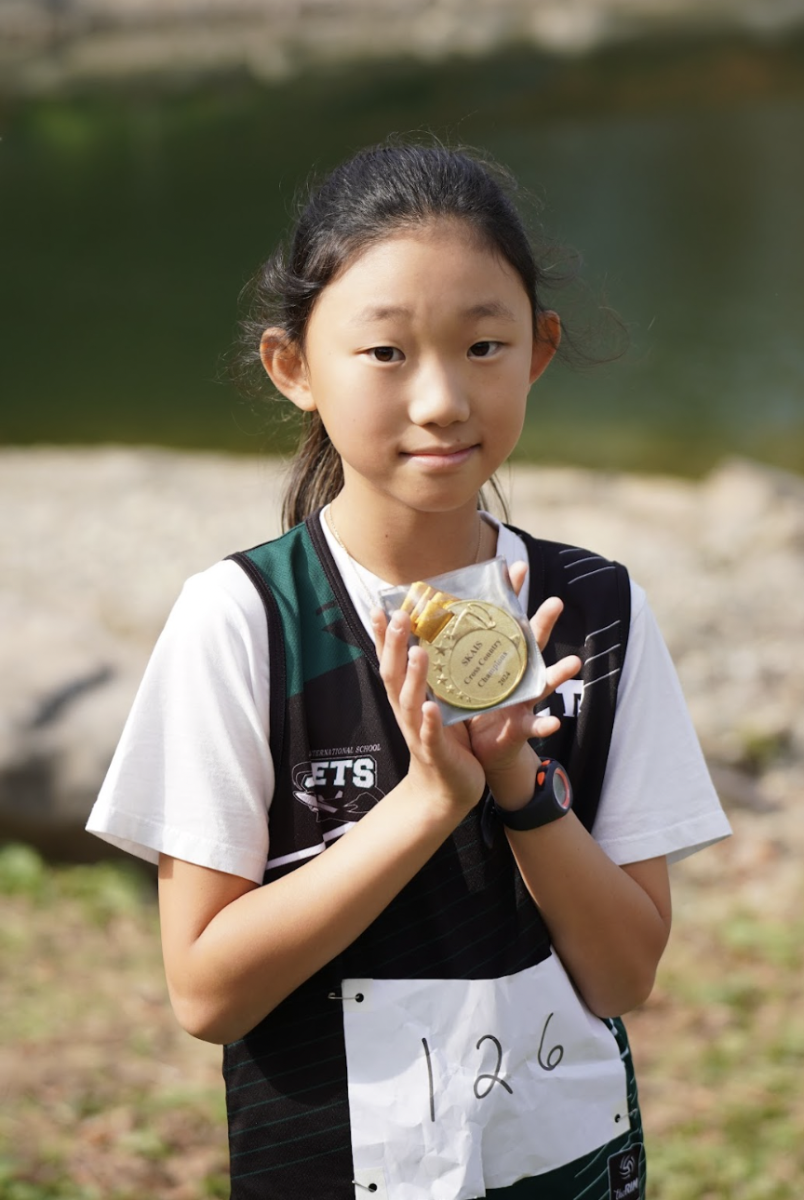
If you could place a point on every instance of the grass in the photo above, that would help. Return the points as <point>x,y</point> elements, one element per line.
<point>104,1098</point>
<point>721,1047</point>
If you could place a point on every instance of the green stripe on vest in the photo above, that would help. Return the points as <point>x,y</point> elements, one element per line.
<point>307,606</point>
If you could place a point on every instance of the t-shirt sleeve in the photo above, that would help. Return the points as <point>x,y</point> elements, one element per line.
<point>192,776</point>
<point>657,797</point>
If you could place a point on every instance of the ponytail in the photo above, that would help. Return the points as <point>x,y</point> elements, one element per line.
<point>316,473</point>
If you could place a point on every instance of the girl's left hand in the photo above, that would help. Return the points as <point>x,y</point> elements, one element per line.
<point>499,738</point>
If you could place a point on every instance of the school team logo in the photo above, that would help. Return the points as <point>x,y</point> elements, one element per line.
<point>338,790</point>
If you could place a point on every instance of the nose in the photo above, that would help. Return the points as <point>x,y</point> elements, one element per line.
<point>439,397</point>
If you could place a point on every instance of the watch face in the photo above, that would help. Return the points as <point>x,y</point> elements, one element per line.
<point>551,800</point>
<point>561,788</point>
<point>478,658</point>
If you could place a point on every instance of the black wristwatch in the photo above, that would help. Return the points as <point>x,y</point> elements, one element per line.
<point>551,799</point>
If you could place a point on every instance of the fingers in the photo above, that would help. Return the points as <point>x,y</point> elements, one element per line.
<point>517,573</point>
<point>544,619</point>
<point>431,728</point>
<point>379,625</point>
<point>560,672</point>
<point>403,670</point>
<point>412,693</point>
<point>543,727</point>
<point>391,638</point>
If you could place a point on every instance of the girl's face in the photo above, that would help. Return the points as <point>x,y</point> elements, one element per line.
<point>418,358</point>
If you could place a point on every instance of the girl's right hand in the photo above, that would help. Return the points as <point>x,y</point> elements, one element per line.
<point>442,765</point>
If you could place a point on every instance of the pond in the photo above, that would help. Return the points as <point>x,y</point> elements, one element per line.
<point>133,216</point>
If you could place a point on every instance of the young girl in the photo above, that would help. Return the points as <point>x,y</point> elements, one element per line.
<point>412,942</point>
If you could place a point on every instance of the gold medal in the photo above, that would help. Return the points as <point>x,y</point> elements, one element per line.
<point>478,653</point>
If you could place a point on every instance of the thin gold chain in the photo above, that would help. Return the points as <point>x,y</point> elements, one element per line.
<point>372,600</point>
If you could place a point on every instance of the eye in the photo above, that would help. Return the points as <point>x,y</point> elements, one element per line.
<point>385,354</point>
<point>484,349</point>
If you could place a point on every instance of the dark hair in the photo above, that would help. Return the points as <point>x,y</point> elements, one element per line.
<point>381,190</point>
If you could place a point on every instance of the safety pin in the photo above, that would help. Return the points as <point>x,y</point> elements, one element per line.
<point>367,1187</point>
<point>359,997</point>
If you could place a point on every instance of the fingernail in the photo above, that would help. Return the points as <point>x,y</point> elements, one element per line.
<point>396,621</point>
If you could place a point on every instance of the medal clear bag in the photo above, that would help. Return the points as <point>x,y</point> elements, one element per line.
<point>482,651</point>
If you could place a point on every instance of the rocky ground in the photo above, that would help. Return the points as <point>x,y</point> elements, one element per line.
<point>96,543</point>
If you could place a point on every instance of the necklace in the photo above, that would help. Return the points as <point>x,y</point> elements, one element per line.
<point>372,600</point>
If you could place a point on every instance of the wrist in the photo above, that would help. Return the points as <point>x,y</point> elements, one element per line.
<point>441,804</point>
<point>551,800</point>
<point>512,785</point>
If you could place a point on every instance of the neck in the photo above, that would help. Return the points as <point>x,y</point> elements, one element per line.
<point>412,545</point>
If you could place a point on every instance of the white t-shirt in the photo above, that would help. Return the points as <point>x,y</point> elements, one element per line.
<point>192,776</point>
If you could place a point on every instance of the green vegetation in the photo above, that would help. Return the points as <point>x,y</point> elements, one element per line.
<point>105,1098</point>
<point>104,891</point>
<point>725,1043</point>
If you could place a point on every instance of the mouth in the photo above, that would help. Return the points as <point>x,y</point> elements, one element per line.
<point>434,457</point>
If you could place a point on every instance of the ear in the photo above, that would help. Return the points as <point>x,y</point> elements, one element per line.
<point>545,342</point>
<point>284,363</point>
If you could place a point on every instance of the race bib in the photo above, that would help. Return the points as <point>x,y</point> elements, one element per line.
<point>459,1085</point>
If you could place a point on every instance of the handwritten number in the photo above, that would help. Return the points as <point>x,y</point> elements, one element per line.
<point>555,1055</point>
<point>486,1080</point>
<point>493,1076</point>
<point>430,1077</point>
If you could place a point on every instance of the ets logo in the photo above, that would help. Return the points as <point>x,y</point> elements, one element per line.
<point>337,788</point>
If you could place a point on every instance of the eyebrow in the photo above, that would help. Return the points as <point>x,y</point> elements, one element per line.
<point>380,312</point>
<point>490,308</point>
<point>385,312</point>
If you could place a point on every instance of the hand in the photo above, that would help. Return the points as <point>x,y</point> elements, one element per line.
<point>442,762</point>
<point>499,739</point>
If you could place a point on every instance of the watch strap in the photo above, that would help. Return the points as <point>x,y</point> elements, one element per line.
<point>551,800</point>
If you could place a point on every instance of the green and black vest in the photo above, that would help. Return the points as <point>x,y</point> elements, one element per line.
<point>337,751</point>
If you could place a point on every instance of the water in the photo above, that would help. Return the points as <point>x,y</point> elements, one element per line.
<point>132,218</point>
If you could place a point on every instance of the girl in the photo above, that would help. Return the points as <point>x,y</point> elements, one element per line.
<point>411,942</point>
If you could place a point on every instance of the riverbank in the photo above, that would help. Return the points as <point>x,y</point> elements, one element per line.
<point>48,44</point>
<point>97,543</point>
